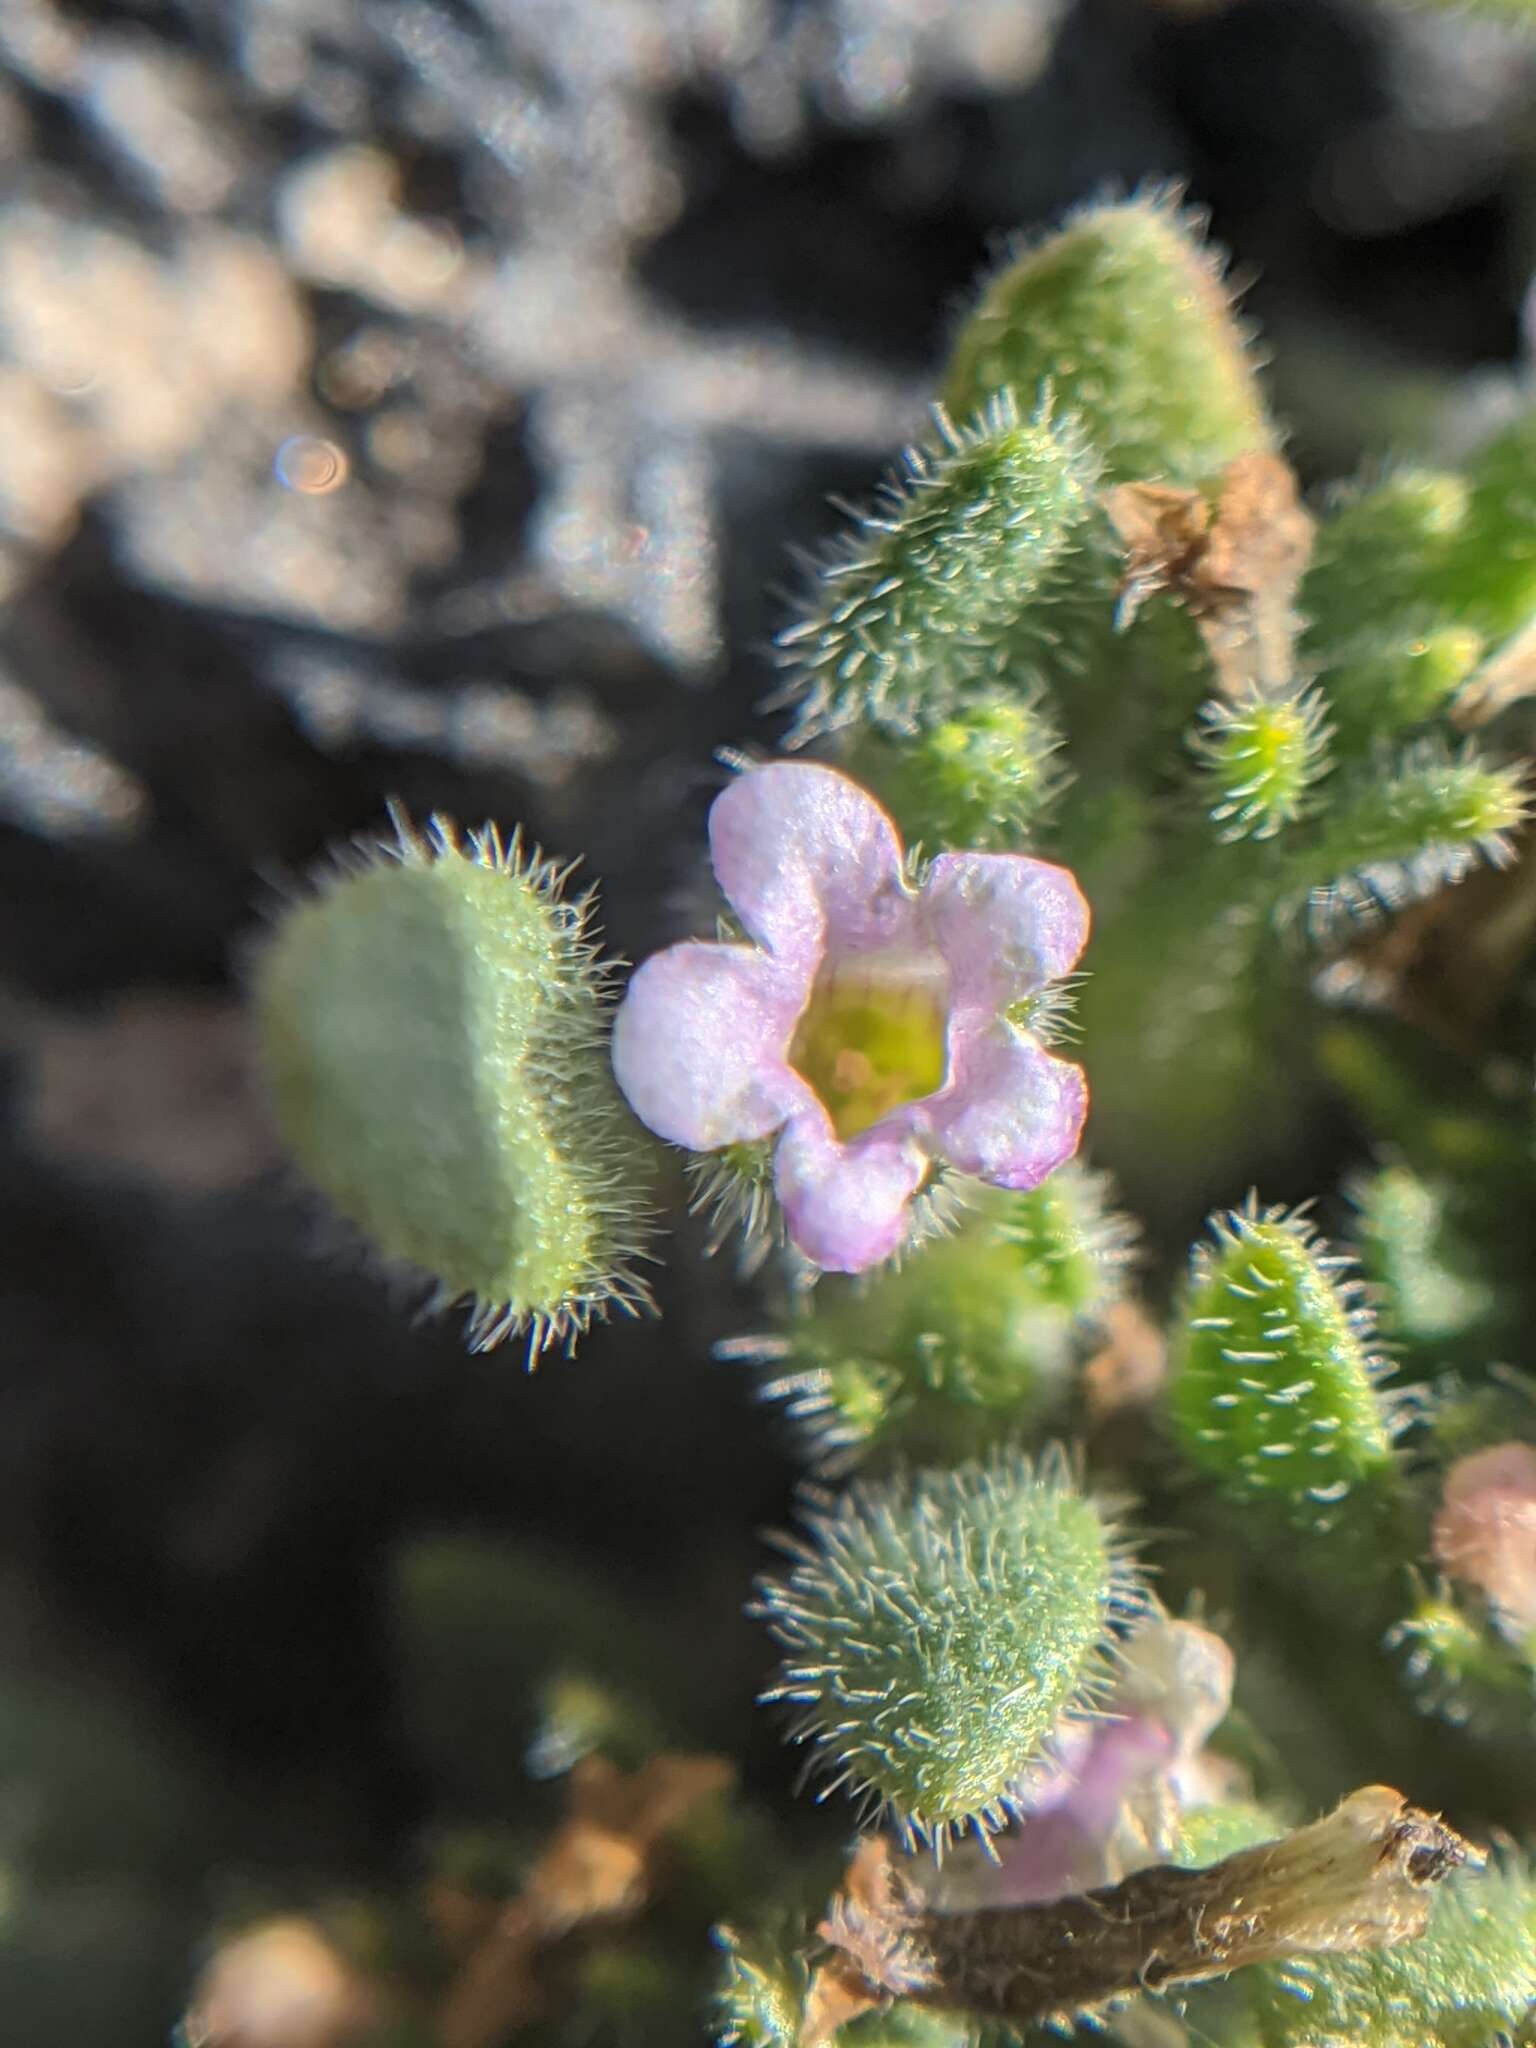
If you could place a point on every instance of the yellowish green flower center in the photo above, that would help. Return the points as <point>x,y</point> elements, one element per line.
<point>873,1036</point>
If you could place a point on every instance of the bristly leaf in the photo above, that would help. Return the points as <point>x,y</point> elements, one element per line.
<point>938,1629</point>
<point>916,610</point>
<point>760,1990</point>
<point>433,1024</point>
<point>1487,572</point>
<point>1383,682</point>
<point>1125,313</point>
<point>1260,757</point>
<point>1397,835</point>
<point>1275,1390</point>
<point>1375,553</point>
<point>985,777</point>
<point>1068,1238</point>
<point>1469,1981</point>
<point>1458,1669</point>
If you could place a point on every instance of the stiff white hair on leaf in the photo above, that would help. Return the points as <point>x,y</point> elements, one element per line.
<point>432,1020</point>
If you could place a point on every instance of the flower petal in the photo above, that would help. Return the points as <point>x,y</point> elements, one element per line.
<point>1180,1675</point>
<point>1006,924</point>
<point>1068,1836</point>
<point>805,855</point>
<point>845,1206</point>
<point>699,1043</point>
<point>1012,1113</point>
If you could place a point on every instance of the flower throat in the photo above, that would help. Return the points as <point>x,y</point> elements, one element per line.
<point>873,1036</point>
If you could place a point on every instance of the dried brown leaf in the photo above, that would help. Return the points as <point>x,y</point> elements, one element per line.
<point>838,1993</point>
<point>1165,532</point>
<point>598,1866</point>
<point>1359,1878</point>
<point>1505,680</point>
<point>1237,570</point>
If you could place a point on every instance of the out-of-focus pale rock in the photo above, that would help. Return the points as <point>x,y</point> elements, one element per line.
<point>282,1985</point>
<point>163,118</point>
<point>121,360</point>
<point>158,1084</point>
<point>47,465</point>
<point>342,224</point>
<point>268,518</point>
<point>55,781</point>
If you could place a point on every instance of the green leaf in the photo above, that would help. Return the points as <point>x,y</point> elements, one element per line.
<point>433,1025</point>
<point>914,612</point>
<point>938,1628</point>
<point>984,777</point>
<point>970,1336</point>
<point>1275,1388</point>
<point>1468,1982</point>
<point>1124,314</point>
<point>1402,831</point>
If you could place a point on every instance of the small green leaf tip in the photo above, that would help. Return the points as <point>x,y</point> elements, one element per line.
<point>1405,830</point>
<point>1381,683</point>
<point>1373,554</point>
<point>1274,1389</point>
<point>938,1628</point>
<point>915,611</point>
<point>1259,757</point>
<point>1125,313</point>
<point>433,1026</point>
<point>984,778</point>
<point>1488,570</point>
<point>1467,1982</point>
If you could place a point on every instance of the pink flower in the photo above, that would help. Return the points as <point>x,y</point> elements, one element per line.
<point>1485,1532</point>
<point>867,1025</point>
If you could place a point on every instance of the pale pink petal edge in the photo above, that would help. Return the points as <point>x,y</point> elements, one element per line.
<point>845,1206</point>
<point>806,857</point>
<point>699,1044</point>
<point>1005,923</point>
<point>1012,1112</point>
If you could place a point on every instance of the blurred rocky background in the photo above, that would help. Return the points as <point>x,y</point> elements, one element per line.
<point>422,398</point>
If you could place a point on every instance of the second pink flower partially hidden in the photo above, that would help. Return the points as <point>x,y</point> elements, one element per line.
<point>868,1025</point>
